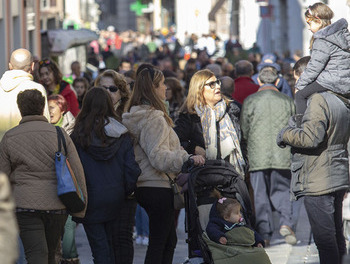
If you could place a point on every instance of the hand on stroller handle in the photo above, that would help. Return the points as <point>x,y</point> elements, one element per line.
<point>197,160</point>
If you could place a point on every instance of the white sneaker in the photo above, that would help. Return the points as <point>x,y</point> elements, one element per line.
<point>145,241</point>
<point>138,240</point>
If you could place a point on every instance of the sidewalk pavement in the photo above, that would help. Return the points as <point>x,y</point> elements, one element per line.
<point>279,252</point>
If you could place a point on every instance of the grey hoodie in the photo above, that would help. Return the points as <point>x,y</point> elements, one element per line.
<point>330,59</point>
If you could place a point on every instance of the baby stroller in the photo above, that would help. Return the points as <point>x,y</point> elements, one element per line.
<point>222,176</point>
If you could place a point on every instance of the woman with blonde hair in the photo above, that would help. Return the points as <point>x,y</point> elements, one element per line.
<point>204,112</point>
<point>159,153</point>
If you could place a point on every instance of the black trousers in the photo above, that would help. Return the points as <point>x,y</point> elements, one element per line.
<point>325,216</point>
<point>123,244</point>
<point>159,205</point>
<point>40,234</point>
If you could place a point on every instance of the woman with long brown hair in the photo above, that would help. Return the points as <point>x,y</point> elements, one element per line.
<point>158,151</point>
<point>106,152</point>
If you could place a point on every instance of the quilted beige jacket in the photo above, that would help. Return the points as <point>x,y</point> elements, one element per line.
<point>27,155</point>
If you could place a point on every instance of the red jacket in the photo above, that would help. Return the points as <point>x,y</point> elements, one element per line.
<point>244,86</point>
<point>68,93</point>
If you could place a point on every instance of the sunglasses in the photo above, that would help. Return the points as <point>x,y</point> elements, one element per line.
<point>112,88</point>
<point>46,62</point>
<point>213,84</point>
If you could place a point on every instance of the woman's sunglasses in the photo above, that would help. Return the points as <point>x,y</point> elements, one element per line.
<point>111,88</point>
<point>213,84</point>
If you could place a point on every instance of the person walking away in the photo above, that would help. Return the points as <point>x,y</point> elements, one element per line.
<point>263,115</point>
<point>282,85</point>
<point>106,152</point>
<point>17,79</point>
<point>244,85</point>
<point>158,151</point>
<point>27,155</point>
<point>119,92</point>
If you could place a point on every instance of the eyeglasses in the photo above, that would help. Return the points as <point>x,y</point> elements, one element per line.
<point>111,88</point>
<point>46,62</point>
<point>213,84</point>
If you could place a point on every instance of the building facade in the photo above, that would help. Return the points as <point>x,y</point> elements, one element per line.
<point>19,28</point>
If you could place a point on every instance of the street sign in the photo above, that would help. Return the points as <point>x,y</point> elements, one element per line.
<point>137,7</point>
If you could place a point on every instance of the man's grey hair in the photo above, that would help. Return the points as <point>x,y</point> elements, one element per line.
<point>268,75</point>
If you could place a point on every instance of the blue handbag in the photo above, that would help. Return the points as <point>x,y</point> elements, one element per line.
<point>68,189</point>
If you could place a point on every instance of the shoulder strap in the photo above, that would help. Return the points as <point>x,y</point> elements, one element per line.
<point>61,140</point>
<point>218,154</point>
<point>170,179</point>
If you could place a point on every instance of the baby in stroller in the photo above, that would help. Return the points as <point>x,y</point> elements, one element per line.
<point>229,239</point>
<point>205,185</point>
<point>225,215</point>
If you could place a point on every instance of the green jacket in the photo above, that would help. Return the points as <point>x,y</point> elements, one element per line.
<point>263,115</point>
<point>238,250</point>
<point>323,138</point>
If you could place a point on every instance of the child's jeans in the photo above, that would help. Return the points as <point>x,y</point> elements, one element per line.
<point>302,95</point>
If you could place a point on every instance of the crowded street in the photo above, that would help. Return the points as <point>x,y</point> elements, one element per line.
<point>174,132</point>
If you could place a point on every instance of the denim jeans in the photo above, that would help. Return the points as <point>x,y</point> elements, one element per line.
<point>40,234</point>
<point>142,223</point>
<point>325,216</point>
<point>100,239</point>
<point>159,205</point>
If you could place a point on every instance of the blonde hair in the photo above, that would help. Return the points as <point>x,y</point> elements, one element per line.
<point>144,91</point>
<point>321,12</point>
<point>195,92</point>
<point>120,82</point>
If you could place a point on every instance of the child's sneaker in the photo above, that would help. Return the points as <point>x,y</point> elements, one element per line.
<point>145,241</point>
<point>138,240</point>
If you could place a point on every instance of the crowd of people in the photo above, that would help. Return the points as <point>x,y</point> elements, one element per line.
<point>147,111</point>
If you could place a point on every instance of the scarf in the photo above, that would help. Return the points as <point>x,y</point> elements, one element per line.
<point>229,143</point>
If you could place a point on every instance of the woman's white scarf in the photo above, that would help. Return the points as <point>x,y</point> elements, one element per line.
<point>229,143</point>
